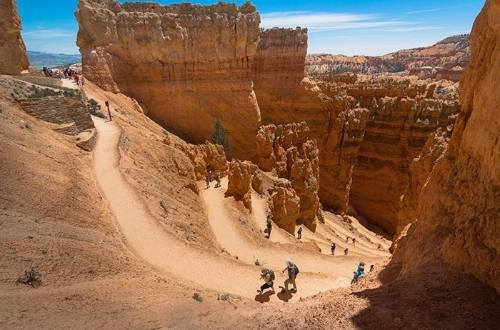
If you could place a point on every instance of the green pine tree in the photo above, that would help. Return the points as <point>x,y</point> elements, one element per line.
<point>219,136</point>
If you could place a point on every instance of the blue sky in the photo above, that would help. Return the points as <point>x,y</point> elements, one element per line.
<point>351,27</point>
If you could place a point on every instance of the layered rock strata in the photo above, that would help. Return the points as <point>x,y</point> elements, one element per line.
<point>459,206</point>
<point>188,65</point>
<point>13,58</point>
<point>379,125</point>
<point>449,54</point>
<point>284,94</point>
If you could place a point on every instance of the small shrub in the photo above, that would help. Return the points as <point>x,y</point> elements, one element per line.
<point>95,109</point>
<point>197,297</point>
<point>219,136</point>
<point>31,277</point>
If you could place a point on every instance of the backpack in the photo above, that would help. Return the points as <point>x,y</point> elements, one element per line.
<point>271,275</point>
<point>296,270</point>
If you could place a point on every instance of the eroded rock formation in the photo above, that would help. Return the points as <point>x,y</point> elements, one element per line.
<point>204,157</point>
<point>240,181</point>
<point>285,208</point>
<point>289,151</point>
<point>379,125</point>
<point>189,65</point>
<point>13,58</point>
<point>459,206</point>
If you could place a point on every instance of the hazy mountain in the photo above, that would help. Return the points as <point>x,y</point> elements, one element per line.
<point>40,59</point>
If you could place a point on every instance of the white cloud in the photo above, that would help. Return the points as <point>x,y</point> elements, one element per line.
<point>414,29</point>
<point>323,21</point>
<point>48,33</point>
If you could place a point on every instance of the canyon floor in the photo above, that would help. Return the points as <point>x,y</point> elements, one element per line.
<point>112,257</point>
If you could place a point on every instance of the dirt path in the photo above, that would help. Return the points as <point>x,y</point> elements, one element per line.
<point>231,238</point>
<point>153,244</point>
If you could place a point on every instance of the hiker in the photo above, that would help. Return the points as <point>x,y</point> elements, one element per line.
<point>109,110</point>
<point>333,248</point>
<point>299,233</point>
<point>371,268</point>
<point>359,272</point>
<point>208,178</point>
<point>268,276</point>
<point>346,251</point>
<point>217,180</point>
<point>293,271</point>
<point>353,241</point>
<point>269,225</point>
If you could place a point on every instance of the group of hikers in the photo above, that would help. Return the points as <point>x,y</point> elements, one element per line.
<point>66,73</point>
<point>268,276</point>
<point>210,176</point>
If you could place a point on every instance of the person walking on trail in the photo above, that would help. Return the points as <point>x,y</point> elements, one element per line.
<point>334,246</point>
<point>353,241</point>
<point>299,233</point>
<point>217,180</point>
<point>359,272</point>
<point>109,110</point>
<point>268,277</point>
<point>346,251</point>
<point>269,225</point>
<point>293,271</point>
<point>208,178</point>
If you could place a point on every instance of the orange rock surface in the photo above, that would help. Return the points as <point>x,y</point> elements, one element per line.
<point>13,58</point>
<point>188,65</point>
<point>459,206</point>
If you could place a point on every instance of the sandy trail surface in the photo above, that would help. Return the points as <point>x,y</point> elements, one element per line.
<point>222,273</point>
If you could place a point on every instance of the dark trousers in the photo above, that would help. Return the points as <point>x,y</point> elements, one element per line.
<point>266,286</point>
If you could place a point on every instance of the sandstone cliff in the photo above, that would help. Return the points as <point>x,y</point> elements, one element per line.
<point>188,65</point>
<point>13,58</point>
<point>284,94</point>
<point>376,129</point>
<point>459,206</point>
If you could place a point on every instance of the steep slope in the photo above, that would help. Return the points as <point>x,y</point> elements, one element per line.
<point>188,65</point>
<point>13,57</point>
<point>459,206</point>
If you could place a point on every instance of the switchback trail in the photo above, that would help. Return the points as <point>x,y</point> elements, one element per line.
<point>149,241</point>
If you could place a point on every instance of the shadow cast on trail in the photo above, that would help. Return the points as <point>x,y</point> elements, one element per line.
<point>264,297</point>
<point>284,295</point>
<point>435,296</point>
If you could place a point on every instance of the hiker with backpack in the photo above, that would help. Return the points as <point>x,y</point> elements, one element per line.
<point>217,181</point>
<point>299,233</point>
<point>293,271</point>
<point>268,276</point>
<point>269,225</point>
<point>358,273</point>
<point>208,178</point>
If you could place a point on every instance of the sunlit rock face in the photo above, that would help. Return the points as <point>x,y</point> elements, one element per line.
<point>188,65</point>
<point>13,58</point>
<point>459,204</point>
